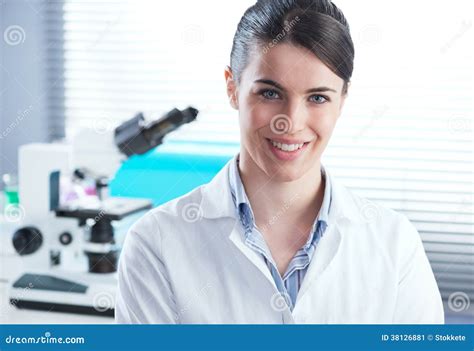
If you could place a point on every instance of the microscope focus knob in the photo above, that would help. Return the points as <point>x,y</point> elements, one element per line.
<point>65,238</point>
<point>27,240</point>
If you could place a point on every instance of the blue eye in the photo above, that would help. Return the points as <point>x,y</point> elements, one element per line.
<point>324,99</point>
<point>269,94</point>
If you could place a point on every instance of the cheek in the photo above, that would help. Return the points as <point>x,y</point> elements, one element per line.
<point>322,126</point>
<point>323,121</point>
<point>255,115</point>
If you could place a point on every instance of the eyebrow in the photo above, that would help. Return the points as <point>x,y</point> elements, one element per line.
<point>275,84</point>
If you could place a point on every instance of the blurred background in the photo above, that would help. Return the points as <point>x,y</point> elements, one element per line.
<point>71,72</point>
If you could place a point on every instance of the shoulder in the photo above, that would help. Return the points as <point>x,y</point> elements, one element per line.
<point>382,233</point>
<point>176,229</point>
<point>373,212</point>
<point>181,210</point>
<point>349,203</point>
<point>380,222</point>
<point>184,219</point>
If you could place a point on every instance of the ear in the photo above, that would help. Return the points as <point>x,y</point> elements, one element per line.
<point>231,88</point>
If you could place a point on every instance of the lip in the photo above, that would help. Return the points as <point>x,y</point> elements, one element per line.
<point>286,155</point>
<point>288,141</point>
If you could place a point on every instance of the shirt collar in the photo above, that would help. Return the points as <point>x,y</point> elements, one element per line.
<point>244,209</point>
<point>239,195</point>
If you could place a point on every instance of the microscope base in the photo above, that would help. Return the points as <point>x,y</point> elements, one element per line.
<point>81,293</point>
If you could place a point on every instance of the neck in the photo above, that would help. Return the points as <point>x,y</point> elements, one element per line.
<point>296,201</point>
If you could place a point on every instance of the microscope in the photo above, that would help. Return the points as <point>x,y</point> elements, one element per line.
<point>67,243</point>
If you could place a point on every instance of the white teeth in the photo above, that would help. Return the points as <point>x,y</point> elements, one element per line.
<point>287,147</point>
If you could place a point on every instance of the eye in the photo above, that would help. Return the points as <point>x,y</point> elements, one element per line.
<point>322,99</point>
<point>269,94</point>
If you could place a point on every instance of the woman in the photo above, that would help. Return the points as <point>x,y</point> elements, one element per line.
<point>273,238</point>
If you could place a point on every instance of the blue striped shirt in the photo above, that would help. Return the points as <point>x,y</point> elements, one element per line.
<point>290,283</point>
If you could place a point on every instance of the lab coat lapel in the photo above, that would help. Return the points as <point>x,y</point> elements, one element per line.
<point>343,216</point>
<point>216,199</point>
<point>325,251</point>
<point>217,203</point>
<point>237,236</point>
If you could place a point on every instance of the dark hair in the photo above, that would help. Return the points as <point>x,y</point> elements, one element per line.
<point>317,25</point>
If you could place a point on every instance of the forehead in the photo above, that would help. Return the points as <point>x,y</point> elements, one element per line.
<point>291,66</point>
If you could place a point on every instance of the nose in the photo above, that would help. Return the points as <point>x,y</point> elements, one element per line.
<point>298,116</point>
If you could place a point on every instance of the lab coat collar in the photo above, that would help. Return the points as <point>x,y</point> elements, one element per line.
<point>217,203</point>
<point>217,198</point>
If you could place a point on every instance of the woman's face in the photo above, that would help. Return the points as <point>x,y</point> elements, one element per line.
<point>288,103</point>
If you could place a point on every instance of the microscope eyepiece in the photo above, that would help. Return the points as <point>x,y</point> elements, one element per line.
<point>135,137</point>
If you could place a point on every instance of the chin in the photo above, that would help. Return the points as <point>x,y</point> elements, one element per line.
<point>288,173</point>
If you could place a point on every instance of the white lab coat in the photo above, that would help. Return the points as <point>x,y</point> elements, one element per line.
<point>186,262</point>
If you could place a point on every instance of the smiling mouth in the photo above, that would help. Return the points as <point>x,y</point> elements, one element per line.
<point>287,147</point>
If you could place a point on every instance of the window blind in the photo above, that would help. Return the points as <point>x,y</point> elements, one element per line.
<point>404,138</point>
